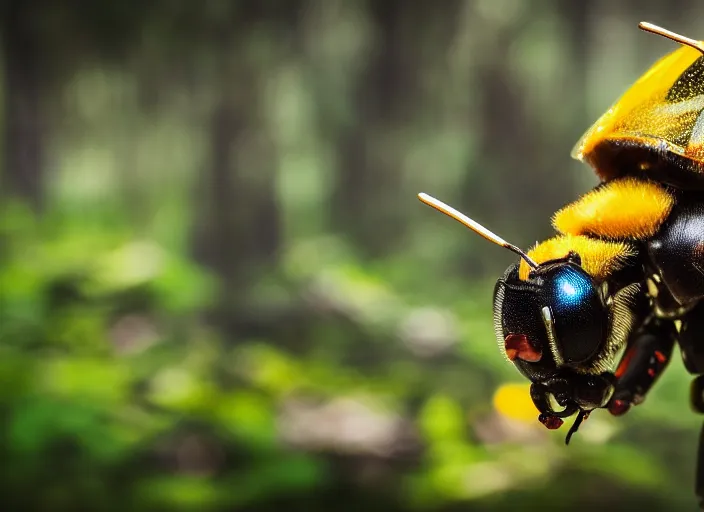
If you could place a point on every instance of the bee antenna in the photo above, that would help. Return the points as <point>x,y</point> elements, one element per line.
<point>649,27</point>
<point>474,226</point>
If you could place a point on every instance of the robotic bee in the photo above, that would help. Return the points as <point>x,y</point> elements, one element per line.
<point>624,276</point>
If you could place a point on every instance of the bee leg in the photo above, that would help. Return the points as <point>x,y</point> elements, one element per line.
<point>699,482</point>
<point>697,403</point>
<point>648,353</point>
<point>691,340</point>
<point>691,344</point>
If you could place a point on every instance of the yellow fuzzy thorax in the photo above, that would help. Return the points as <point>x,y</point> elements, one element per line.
<point>600,258</point>
<point>622,209</point>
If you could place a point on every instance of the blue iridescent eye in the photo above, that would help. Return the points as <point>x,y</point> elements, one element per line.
<point>571,288</point>
<point>579,316</point>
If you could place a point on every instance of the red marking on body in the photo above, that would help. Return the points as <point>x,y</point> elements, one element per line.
<point>551,422</point>
<point>660,356</point>
<point>518,346</point>
<point>651,372</point>
<point>623,365</point>
<point>619,407</point>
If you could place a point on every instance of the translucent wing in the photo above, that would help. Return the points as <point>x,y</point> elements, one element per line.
<point>657,122</point>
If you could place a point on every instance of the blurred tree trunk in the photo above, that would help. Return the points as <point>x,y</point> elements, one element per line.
<point>386,99</point>
<point>506,139</point>
<point>576,17</point>
<point>366,181</point>
<point>527,163</point>
<point>43,44</point>
<point>23,145</point>
<point>237,232</point>
<point>237,229</point>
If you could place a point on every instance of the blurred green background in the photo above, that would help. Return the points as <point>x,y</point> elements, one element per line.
<point>219,292</point>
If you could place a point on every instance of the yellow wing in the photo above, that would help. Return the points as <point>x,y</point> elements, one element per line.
<point>658,120</point>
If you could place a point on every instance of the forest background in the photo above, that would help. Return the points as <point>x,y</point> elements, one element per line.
<point>218,291</point>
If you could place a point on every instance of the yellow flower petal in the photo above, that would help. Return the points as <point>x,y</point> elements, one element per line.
<point>514,402</point>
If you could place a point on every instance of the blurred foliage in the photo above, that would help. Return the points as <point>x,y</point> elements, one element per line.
<point>218,291</point>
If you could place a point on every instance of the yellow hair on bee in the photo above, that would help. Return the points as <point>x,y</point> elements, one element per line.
<point>600,258</point>
<point>622,209</point>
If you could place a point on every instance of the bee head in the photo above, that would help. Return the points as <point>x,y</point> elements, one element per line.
<point>552,326</point>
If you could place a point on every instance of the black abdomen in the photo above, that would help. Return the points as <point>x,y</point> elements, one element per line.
<point>677,250</point>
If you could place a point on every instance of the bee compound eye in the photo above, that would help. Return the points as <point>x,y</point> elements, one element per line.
<point>579,317</point>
